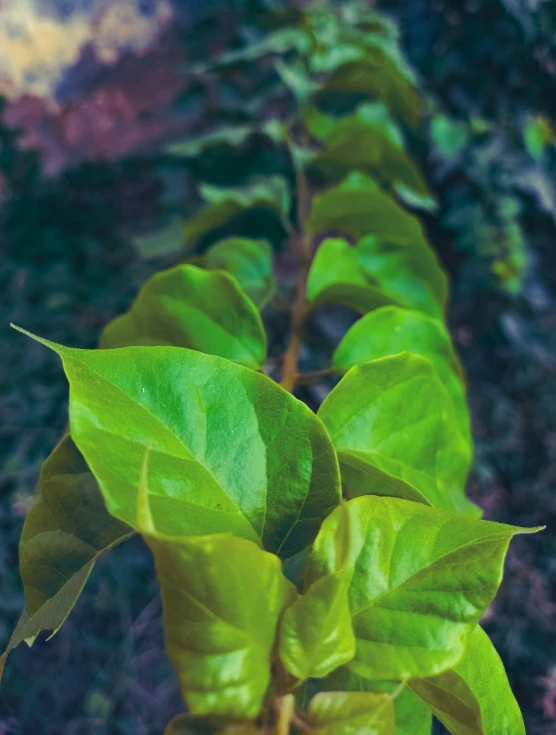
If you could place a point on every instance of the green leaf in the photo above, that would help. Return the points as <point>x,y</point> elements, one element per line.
<point>167,241</point>
<point>336,276</point>
<point>225,203</point>
<point>392,249</point>
<point>249,261</point>
<point>194,725</point>
<point>352,713</point>
<point>223,598</point>
<point>474,697</point>
<point>394,427</point>
<point>232,136</point>
<point>418,580</point>
<point>379,76</point>
<point>370,141</point>
<point>376,273</point>
<point>316,634</point>
<point>189,307</point>
<point>537,134</point>
<point>67,529</point>
<point>390,330</point>
<point>412,716</point>
<point>449,136</point>
<point>183,443</point>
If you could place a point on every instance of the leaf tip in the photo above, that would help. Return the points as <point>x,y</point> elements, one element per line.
<point>3,658</point>
<point>44,342</point>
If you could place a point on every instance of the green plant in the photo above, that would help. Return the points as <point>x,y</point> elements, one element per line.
<point>287,605</point>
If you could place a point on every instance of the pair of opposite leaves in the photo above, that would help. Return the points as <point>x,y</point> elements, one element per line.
<point>141,465</point>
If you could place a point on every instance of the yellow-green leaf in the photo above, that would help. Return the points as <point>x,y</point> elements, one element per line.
<point>249,261</point>
<point>223,598</point>
<point>473,697</point>
<point>316,634</point>
<point>184,443</point>
<point>352,713</point>
<point>187,306</point>
<point>418,580</point>
<point>390,330</point>
<point>394,415</point>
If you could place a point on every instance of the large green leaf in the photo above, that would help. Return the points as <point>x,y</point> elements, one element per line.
<point>67,529</point>
<point>224,203</point>
<point>392,249</point>
<point>187,306</point>
<point>223,598</point>
<point>390,330</point>
<point>190,444</point>
<point>352,713</point>
<point>474,697</point>
<point>394,427</point>
<point>376,273</point>
<point>249,261</point>
<point>316,634</point>
<point>418,581</point>
<point>370,141</point>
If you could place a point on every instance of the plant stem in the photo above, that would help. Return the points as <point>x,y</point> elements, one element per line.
<point>284,712</point>
<point>302,245</point>
<point>299,309</point>
<point>312,377</point>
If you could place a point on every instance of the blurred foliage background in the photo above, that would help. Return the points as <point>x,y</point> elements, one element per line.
<point>93,196</point>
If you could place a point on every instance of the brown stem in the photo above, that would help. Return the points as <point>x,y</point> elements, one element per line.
<point>312,377</point>
<point>299,310</point>
<point>289,366</point>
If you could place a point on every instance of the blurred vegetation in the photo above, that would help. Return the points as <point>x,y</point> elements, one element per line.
<point>76,248</point>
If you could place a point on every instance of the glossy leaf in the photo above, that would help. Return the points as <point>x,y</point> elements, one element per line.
<point>336,276</point>
<point>67,529</point>
<point>249,261</point>
<point>184,443</point>
<point>189,307</point>
<point>392,248</point>
<point>223,597</point>
<point>352,713</point>
<point>474,697</point>
<point>418,581</point>
<point>390,330</point>
<point>225,203</point>
<point>316,634</point>
<point>376,273</point>
<point>394,416</point>
<point>370,141</point>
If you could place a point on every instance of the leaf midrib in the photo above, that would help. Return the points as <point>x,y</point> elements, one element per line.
<point>391,590</point>
<point>157,420</point>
